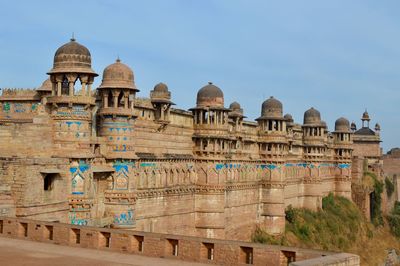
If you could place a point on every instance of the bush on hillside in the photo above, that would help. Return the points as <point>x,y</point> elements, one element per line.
<point>394,219</point>
<point>335,227</point>
<point>376,210</point>
<point>389,187</point>
<point>260,236</point>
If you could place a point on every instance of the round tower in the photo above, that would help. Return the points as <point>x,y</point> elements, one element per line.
<point>211,123</point>
<point>273,144</point>
<point>71,101</point>
<point>343,149</point>
<point>343,140</point>
<point>160,98</point>
<point>236,115</point>
<point>314,133</point>
<point>116,112</point>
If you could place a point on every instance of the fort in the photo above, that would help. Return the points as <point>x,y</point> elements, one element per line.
<point>105,158</point>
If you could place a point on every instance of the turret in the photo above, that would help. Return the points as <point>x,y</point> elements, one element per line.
<point>343,140</point>
<point>211,122</point>
<point>272,130</point>
<point>236,115</point>
<point>71,104</point>
<point>161,101</point>
<point>314,133</point>
<point>116,113</point>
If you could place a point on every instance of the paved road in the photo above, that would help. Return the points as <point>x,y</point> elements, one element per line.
<point>22,252</point>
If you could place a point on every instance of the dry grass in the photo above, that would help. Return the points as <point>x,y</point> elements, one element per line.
<point>340,226</point>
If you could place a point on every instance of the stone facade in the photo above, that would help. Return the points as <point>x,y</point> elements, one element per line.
<point>106,158</point>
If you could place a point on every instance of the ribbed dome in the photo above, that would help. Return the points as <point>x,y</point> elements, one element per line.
<point>72,57</point>
<point>312,116</point>
<point>234,106</point>
<point>342,124</point>
<point>161,87</point>
<point>46,86</point>
<point>271,108</point>
<point>118,75</point>
<point>211,96</point>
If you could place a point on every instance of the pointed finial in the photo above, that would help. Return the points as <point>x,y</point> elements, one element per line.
<point>73,37</point>
<point>118,60</point>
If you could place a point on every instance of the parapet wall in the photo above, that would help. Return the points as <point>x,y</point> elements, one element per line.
<point>213,251</point>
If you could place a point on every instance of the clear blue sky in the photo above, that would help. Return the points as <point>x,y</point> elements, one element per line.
<point>337,56</point>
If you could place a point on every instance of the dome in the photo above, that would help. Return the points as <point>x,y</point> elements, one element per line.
<point>46,86</point>
<point>365,116</point>
<point>353,126</point>
<point>160,94</point>
<point>118,75</point>
<point>234,106</point>
<point>288,118</point>
<point>271,108</point>
<point>342,124</point>
<point>211,96</point>
<point>312,116</point>
<point>161,87</point>
<point>236,110</point>
<point>72,57</point>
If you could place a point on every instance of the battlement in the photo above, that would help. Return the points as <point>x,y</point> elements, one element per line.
<point>19,94</point>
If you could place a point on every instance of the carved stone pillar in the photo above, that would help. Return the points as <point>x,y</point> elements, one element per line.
<point>71,81</point>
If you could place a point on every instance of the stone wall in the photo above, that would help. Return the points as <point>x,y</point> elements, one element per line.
<point>213,251</point>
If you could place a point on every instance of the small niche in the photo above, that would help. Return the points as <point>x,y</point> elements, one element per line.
<point>246,255</point>
<point>208,251</point>
<point>105,239</point>
<point>48,232</point>
<point>173,246</point>
<point>139,243</point>
<point>75,236</point>
<point>24,229</point>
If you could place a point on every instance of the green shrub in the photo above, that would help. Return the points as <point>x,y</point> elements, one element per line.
<point>394,219</point>
<point>260,236</point>
<point>290,214</point>
<point>389,187</point>
<point>376,211</point>
<point>334,227</point>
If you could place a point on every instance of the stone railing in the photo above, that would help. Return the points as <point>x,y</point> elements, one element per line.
<point>206,250</point>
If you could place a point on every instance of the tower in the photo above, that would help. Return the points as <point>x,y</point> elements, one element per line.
<point>343,140</point>
<point>116,126</point>
<point>236,116</point>
<point>211,123</point>
<point>272,131</point>
<point>343,151</point>
<point>161,101</point>
<point>365,119</point>
<point>116,112</point>
<point>313,136</point>
<point>71,105</point>
<point>210,119</point>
